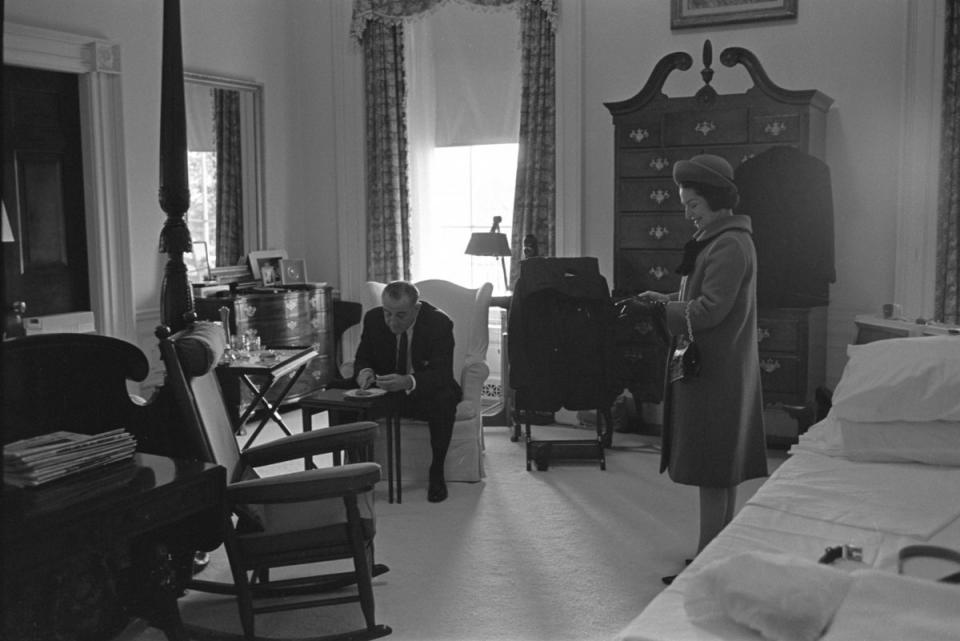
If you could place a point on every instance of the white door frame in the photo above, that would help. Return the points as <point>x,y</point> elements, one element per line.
<point>97,63</point>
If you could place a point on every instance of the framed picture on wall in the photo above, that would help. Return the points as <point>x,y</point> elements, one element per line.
<point>293,272</point>
<point>688,14</point>
<point>265,265</point>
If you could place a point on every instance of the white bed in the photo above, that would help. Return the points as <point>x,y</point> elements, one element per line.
<point>881,472</point>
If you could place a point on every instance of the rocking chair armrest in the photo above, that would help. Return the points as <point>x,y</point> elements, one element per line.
<point>322,441</point>
<point>309,485</point>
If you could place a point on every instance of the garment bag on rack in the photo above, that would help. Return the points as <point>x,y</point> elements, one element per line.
<point>561,339</point>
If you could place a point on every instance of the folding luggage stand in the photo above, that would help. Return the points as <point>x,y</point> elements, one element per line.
<point>542,451</point>
<point>562,353</point>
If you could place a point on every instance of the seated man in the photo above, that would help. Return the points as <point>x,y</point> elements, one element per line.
<point>423,374</point>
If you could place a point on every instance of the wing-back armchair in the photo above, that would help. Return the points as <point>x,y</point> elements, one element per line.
<point>469,309</point>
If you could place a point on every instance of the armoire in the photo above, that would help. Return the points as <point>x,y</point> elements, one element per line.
<point>651,132</point>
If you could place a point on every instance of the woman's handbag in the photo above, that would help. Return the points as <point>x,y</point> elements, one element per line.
<point>685,360</point>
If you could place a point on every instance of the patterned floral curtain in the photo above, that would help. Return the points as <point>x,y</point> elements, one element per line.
<point>534,204</point>
<point>394,12</point>
<point>388,198</point>
<point>226,119</point>
<point>947,292</point>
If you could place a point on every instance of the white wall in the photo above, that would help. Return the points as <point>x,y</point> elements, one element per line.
<point>855,51</point>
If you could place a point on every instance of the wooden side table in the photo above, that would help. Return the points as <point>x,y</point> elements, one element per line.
<point>364,408</point>
<point>62,543</point>
<point>267,372</point>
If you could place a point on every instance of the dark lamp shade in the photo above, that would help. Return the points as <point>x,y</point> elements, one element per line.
<point>488,244</point>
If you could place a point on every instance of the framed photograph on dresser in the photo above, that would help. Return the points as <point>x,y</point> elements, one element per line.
<point>265,265</point>
<point>293,272</point>
<point>688,14</point>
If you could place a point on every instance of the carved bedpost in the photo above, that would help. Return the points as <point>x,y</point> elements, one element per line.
<point>176,296</point>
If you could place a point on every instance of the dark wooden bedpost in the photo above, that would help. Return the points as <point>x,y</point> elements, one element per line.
<point>176,296</point>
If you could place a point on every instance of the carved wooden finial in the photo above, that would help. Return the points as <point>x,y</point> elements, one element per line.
<point>707,93</point>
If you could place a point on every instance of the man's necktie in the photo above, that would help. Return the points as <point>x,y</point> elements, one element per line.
<point>402,354</point>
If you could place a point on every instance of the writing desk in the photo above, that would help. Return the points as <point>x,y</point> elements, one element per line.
<point>364,408</point>
<point>267,372</point>
<point>83,555</point>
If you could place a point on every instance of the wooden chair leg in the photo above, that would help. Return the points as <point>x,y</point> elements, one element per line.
<point>361,562</point>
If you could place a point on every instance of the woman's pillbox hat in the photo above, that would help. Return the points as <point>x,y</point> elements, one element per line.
<point>705,168</point>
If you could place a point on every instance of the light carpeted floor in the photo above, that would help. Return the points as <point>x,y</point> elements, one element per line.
<point>571,553</point>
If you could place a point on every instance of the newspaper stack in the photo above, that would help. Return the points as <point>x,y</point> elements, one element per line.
<point>41,459</point>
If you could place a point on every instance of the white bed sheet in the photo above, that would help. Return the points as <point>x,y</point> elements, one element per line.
<point>778,519</point>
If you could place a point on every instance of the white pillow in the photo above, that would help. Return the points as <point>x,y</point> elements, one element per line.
<point>823,437</point>
<point>783,598</point>
<point>901,379</point>
<point>930,442</point>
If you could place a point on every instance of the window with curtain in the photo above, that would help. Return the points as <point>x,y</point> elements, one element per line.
<point>463,106</point>
<point>201,167</point>
<point>469,185</point>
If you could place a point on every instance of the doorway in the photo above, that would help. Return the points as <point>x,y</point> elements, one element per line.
<point>45,266</point>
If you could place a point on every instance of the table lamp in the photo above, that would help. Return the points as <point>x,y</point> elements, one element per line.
<point>491,243</point>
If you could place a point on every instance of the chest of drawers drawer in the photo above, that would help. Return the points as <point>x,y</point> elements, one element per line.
<point>714,127</point>
<point>792,344</point>
<point>638,270</point>
<point>648,194</point>
<point>654,231</point>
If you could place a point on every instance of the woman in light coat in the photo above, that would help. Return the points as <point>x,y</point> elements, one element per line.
<point>713,434</point>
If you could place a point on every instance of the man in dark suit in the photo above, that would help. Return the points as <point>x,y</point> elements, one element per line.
<point>407,348</point>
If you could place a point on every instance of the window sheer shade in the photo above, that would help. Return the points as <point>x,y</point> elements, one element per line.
<point>198,103</point>
<point>476,74</point>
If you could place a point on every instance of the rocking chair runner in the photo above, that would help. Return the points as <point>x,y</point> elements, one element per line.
<point>285,520</point>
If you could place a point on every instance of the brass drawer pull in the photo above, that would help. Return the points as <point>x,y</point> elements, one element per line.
<point>659,232</point>
<point>762,334</point>
<point>639,135</point>
<point>705,127</point>
<point>659,271</point>
<point>659,195</point>
<point>659,163</point>
<point>775,128</point>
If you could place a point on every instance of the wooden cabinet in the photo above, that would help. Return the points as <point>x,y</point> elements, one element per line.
<point>297,316</point>
<point>792,353</point>
<point>652,132</point>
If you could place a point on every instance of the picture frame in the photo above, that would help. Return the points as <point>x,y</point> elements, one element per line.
<point>293,271</point>
<point>688,14</point>
<point>198,263</point>
<point>269,258</point>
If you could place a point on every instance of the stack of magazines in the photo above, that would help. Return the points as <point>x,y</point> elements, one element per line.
<point>48,457</point>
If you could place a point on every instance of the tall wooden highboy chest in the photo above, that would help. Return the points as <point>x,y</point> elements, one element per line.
<point>652,132</point>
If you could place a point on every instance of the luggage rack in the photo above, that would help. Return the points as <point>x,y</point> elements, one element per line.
<point>540,452</point>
